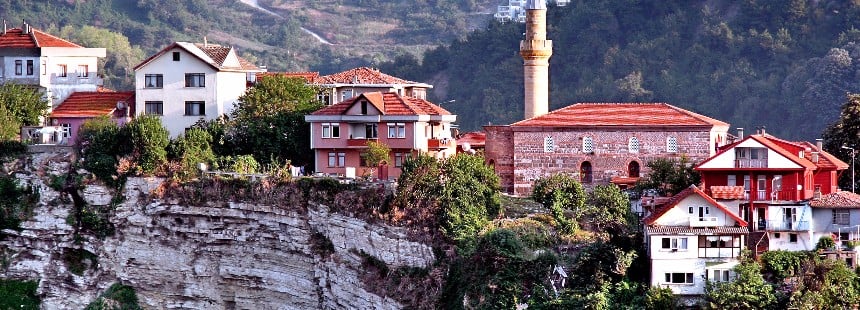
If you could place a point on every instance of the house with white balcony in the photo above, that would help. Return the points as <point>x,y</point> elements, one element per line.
<point>768,182</point>
<point>55,66</point>
<point>188,82</point>
<point>407,125</point>
<point>692,239</point>
<point>837,215</point>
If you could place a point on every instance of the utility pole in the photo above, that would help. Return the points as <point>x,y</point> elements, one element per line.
<point>853,154</point>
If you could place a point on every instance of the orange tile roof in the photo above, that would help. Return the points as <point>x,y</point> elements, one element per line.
<point>620,114</point>
<point>215,52</point>
<point>624,180</point>
<point>837,200</point>
<point>16,38</point>
<point>789,150</point>
<point>692,190</point>
<point>310,77</point>
<point>362,75</point>
<point>727,192</point>
<point>474,139</point>
<point>92,104</point>
<point>388,103</point>
<point>674,230</point>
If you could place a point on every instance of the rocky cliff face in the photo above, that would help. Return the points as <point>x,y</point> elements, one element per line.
<point>221,255</point>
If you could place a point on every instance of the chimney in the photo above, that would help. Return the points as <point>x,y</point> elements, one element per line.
<point>819,143</point>
<point>4,27</point>
<point>815,157</point>
<point>740,133</point>
<point>762,132</point>
<point>205,42</point>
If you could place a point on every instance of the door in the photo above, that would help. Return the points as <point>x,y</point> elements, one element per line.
<point>789,217</point>
<point>762,220</point>
<point>382,171</point>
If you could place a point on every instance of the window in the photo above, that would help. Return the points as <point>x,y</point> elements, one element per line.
<point>633,169</point>
<point>324,98</point>
<point>67,130</point>
<point>690,209</point>
<point>792,238</point>
<point>548,145</point>
<point>397,130</point>
<point>844,236</point>
<point>153,81</point>
<point>633,145</point>
<point>195,80</point>
<point>154,107</point>
<point>747,183</point>
<point>29,67</point>
<point>370,131</point>
<point>720,275</point>
<point>679,278</point>
<point>44,67</point>
<point>331,130</point>
<point>364,107</point>
<point>587,145</point>
<point>62,70</point>
<point>83,71</point>
<point>346,94</point>
<point>777,235</point>
<point>585,172</point>
<point>840,217</point>
<point>336,159</point>
<point>19,67</point>
<point>672,145</point>
<point>398,159</point>
<point>675,243</point>
<point>175,56</point>
<point>194,108</point>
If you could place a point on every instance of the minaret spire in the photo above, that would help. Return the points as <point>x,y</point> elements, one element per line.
<point>536,50</point>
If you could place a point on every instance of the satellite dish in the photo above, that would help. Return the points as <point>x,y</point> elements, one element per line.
<point>120,105</point>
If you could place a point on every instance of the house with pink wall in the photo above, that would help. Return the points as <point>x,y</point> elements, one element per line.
<point>407,125</point>
<point>81,106</point>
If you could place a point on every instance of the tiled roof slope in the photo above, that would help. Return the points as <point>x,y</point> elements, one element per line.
<point>689,191</point>
<point>791,151</point>
<point>674,230</point>
<point>212,54</point>
<point>476,138</point>
<point>837,200</point>
<point>92,104</point>
<point>389,104</point>
<point>620,114</point>
<point>16,38</point>
<point>362,75</point>
<point>310,77</point>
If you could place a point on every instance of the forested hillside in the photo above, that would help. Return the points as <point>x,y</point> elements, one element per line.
<point>782,64</point>
<point>364,32</point>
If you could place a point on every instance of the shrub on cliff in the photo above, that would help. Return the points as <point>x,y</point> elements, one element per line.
<point>189,149</point>
<point>16,203</point>
<point>116,297</point>
<point>15,294</point>
<point>145,140</point>
<point>97,144</point>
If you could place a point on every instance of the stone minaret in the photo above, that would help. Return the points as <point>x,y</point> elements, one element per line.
<point>536,50</point>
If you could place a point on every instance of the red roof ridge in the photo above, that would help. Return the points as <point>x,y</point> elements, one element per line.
<point>693,189</point>
<point>389,103</point>
<point>620,114</point>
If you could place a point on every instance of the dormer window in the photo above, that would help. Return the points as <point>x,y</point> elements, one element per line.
<point>175,56</point>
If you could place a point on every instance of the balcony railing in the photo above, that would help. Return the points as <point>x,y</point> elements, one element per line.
<point>358,142</point>
<point>750,163</point>
<point>707,221</point>
<point>762,195</point>
<point>788,225</point>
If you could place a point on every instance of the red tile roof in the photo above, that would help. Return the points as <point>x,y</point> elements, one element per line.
<point>789,150</point>
<point>310,77</point>
<point>92,104</point>
<point>387,103</point>
<point>837,200</point>
<point>620,114</point>
<point>474,139</point>
<point>362,75</point>
<point>16,38</point>
<point>727,192</point>
<point>673,230</point>
<point>692,190</point>
<point>212,54</point>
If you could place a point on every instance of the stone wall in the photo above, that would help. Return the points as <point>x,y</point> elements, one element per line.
<point>223,255</point>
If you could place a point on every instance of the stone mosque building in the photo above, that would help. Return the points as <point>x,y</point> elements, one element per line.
<point>597,142</point>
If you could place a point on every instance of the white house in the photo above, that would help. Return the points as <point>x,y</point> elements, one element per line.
<point>836,215</point>
<point>693,238</point>
<point>56,66</point>
<point>186,82</point>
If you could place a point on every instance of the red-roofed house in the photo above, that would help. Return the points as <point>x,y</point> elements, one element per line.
<point>837,215</point>
<point>598,142</point>
<point>81,106</point>
<point>186,82</point>
<point>768,181</point>
<point>344,85</point>
<point>56,66</point>
<point>339,133</point>
<point>691,238</point>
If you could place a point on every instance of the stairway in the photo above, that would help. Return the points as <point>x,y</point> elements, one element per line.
<point>758,242</point>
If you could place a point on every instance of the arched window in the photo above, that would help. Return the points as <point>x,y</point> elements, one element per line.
<point>633,169</point>
<point>585,172</point>
<point>672,145</point>
<point>587,145</point>
<point>633,145</point>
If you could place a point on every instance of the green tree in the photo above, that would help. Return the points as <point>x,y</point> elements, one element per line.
<point>25,104</point>
<point>145,140</point>
<point>469,197</point>
<point>190,149</point>
<point>747,291</point>
<point>558,193</point>
<point>375,154</point>
<point>418,190</point>
<point>845,132</point>
<point>10,127</point>
<point>268,121</point>
<point>97,144</point>
<point>669,176</point>
<point>609,206</point>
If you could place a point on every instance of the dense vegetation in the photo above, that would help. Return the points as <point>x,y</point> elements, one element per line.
<point>15,294</point>
<point>782,64</point>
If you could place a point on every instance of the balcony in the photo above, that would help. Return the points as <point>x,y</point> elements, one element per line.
<point>441,143</point>
<point>361,142</point>
<point>782,225</point>
<point>750,163</point>
<point>707,221</point>
<point>763,195</point>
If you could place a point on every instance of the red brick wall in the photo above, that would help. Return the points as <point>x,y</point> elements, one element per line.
<point>520,158</point>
